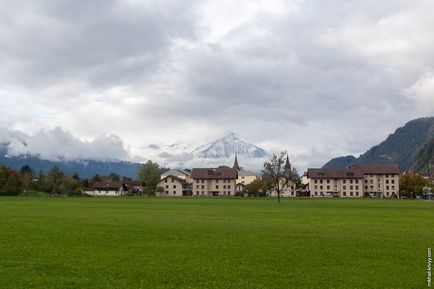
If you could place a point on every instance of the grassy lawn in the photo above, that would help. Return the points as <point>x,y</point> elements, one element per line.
<point>213,243</point>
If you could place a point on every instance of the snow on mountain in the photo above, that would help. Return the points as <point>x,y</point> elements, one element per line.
<point>227,146</point>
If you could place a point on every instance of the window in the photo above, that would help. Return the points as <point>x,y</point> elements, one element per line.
<point>344,187</point>
<point>328,187</point>
<point>174,192</point>
<point>320,181</point>
<point>351,187</point>
<point>357,194</point>
<point>167,186</point>
<point>167,192</point>
<point>174,186</point>
<point>229,193</point>
<point>344,193</point>
<point>165,180</point>
<point>316,187</point>
<point>344,181</point>
<point>216,186</point>
<point>357,187</point>
<point>224,186</point>
<point>387,181</point>
<point>203,181</point>
<point>393,181</point>
<point>356,181</point>
<point>351,194</point>
<point>197,186</point>
<point>366,187</point>
<point>320,187</point>
<point>328,181</point>
<point>316,181</point>
<point>203,187</point>
<point>229,186</point>
<point>387,187</point>
<point>351,181</point>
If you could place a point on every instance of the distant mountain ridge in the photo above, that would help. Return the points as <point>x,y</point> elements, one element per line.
<point>401,147</point>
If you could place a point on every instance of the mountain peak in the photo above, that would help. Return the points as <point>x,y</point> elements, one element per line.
<point>227,146</point>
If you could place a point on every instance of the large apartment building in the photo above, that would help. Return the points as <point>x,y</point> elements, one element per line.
<point>375,180</point>
<point>214,181</point>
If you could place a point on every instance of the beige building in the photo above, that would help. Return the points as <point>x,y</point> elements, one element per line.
<point>177,173</point>
<point>356,181</point>
<point>214,181</point>
<point>380,180</point>
<point>174,186</point>
<point>245,177</point>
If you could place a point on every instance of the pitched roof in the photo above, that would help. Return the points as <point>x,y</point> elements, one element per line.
<point>175,173</point>
<point>379,169</point>
<point>335,173</point>
<point>116,185</point>
<point>287,164</point>
<point>183,182</point>
<point>246,173</point>
<point>214,173</point>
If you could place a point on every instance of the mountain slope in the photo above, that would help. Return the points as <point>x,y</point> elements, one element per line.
<point>227,146</point>
<point>424,157</point>
<point>399,147</point>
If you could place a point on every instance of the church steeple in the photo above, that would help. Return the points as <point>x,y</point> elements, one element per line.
<point>236,166</point>
<point>288,164</point>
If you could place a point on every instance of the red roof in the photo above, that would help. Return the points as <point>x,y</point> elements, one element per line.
<point>348,173</point>
<point>214,173</point>
<point>377,169</point>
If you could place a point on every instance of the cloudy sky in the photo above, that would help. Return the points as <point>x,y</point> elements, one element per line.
<point>318,78</point>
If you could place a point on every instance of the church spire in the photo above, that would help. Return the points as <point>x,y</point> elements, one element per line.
<point>236,166</point>
<point>288,164</point>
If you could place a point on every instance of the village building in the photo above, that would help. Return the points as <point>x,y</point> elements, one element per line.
<point>116,188</point>
<point>214,181</point>
<point>374,180</point>
<point>177,173</point>
<point>174,186</point>
<point>380,180</point>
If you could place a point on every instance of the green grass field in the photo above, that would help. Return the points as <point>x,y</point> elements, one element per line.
<point>214,243</point>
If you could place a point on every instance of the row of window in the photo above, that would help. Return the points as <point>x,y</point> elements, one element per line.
<point>344,181</point>
<point>217,187</point>
<point>228,193</point>
<point>217,181</point>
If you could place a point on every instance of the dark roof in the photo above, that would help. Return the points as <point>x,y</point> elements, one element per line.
<point>116,185</point>
<point>379,169</point>
<point>183,182</point>
<point>287,164</point>
<point>214,173</point>
<point>334,173</point>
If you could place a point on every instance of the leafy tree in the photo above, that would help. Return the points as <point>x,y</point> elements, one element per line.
<point>53,179</point>
<point>10,182</point>
<point>277,174</point>
<point>150,174</point>
<point>160,190</point>
<point>69,186</point>
<point>257,188</point>
<point>412,184</point>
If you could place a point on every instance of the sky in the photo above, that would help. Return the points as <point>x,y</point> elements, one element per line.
<point>115,78</point>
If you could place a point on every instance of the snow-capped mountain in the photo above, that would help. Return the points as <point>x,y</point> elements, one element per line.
<point>227,146</point>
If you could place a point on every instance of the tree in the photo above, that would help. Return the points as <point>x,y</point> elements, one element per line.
<point>412,184</point>
<point>278,174</point>
<point>160,190</point>
<point>69,186</point>
<point>10,182</point>
<point>150,174</point>
<point>257,188</point>
<point>54,177</point>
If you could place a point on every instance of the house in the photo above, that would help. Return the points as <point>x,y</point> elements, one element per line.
<point>214,181</point>
<point>380,180</point>
<point>177,173</point>
<point>375,180</point>
<point>335,182</point>
<point>116,188</point>
<point>174,186</point>
<point>245,177</point>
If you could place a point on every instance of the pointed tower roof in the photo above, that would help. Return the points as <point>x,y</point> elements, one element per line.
<point>236,166</point>
<point>288,164</point>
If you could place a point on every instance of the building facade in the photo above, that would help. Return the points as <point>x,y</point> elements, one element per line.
<point>214,181</point>
<point>356,181</point>
<point>174,186</point>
